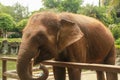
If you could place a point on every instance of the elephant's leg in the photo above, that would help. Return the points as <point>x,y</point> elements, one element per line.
<point>111,76</point>
<point>59,73</point>
<point>100,75</point>
<point>74,74</point>
<point>111,60</point>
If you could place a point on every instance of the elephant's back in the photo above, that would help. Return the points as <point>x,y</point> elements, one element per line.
<point>98,38</point>
<point>92,28</point>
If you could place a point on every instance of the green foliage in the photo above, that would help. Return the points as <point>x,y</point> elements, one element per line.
<point>21,24</point>
<point>117,46</point>
<point>115,29</point>
<point>1,8</point>
<point>115,3</point>
<point>51,3</point>
<point>117,42</point>
<point>106,2</point>
<point>87,10</point>
<point>70,5</point>
<point>99,13</point>
<point>11,39</point>
<point>20,12</point>
<point>17,11</point>
<point>15,35</point>
<point>7,9</point>
<point>63,5</point>
<point>6,22</point>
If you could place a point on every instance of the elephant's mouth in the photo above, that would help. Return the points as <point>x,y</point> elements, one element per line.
<point>43,53</point>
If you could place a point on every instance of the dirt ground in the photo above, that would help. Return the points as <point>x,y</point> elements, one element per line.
<point>87,75</point>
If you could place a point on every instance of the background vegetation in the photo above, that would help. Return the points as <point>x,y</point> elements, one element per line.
<point>14,18</point>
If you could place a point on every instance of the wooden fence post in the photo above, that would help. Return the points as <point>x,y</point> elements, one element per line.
<point>4,68</point>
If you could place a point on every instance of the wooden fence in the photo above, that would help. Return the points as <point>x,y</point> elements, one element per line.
<point>99,67</point>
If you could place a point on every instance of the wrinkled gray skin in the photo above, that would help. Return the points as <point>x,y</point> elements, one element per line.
<point>65,37</point>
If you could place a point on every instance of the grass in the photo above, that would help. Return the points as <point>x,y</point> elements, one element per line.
<point>11,39</point>
<point>10,64</point>
<point>117,46</point>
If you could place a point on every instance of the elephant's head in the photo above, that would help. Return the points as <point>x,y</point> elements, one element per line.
<point>45,35</point>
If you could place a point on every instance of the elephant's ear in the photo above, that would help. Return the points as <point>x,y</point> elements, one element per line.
<point>68,34</point>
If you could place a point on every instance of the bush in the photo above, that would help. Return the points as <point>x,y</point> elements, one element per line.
<point>117,42</point>
<point>21,24</point>
<point>10,39</point>
<point>14,35</point>
<point>6,22</point>
<point>99,13</point>
<point>115,29</point>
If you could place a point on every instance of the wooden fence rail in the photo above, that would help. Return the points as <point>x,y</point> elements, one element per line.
<point>5,72</point>
<point>10,73</point>
<point>98,67</point>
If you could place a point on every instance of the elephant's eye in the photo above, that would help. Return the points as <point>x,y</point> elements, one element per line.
<point>28,35</point>
<point>46,55</point>
<point>41,38</point>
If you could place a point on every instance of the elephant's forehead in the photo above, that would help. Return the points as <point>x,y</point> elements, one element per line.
<point>45,23</point>
<point>41,28</point>
<point>45,31</point>
<point>49,36</point>
<point>34,32</point>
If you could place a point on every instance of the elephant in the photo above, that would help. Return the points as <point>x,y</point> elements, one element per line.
<point>66,37</point>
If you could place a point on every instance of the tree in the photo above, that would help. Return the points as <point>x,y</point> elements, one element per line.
<point>88,10</point>
<point>70,5</point>
<point>115,29</point>
<point>6,9</point>
<point>1,7</point>
<point>97,12</point>
<point>63,5</point>
<point>115,3</point>
<point>20,12</point>
<point>21,24</point>
<point>17,11</point>
<point>51,3</point>
<point>104,2</point>
<point>19,28</point>
<point>6,23</point>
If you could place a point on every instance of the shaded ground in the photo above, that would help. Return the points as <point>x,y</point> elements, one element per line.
<point>87,75</point>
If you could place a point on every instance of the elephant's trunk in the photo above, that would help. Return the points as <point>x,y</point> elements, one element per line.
<point>23,65</point>
<point>45,71</point>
